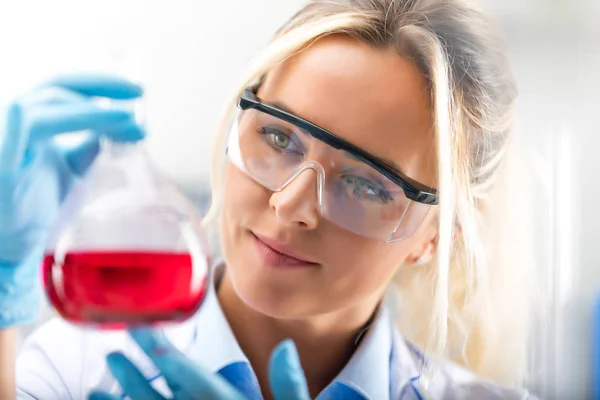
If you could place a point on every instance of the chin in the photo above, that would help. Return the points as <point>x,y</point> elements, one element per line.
<point>277,298</point>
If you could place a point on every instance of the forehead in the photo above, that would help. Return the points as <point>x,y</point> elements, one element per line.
<point>371,97</point>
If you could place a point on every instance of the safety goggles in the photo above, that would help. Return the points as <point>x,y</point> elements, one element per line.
<point>355,189</point>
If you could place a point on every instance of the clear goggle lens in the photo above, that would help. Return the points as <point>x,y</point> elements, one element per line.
<point>351,193</point>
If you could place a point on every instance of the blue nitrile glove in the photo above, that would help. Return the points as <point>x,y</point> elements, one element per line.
<point>36,173</point>
<point>188,380</point>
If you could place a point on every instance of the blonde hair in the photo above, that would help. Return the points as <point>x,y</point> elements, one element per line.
<point>470,304</point>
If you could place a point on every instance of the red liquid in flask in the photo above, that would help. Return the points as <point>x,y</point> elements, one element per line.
<point>112,290</point>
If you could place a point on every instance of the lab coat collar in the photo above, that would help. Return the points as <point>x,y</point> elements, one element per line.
<point>368,370</point>
<point>405,369</point>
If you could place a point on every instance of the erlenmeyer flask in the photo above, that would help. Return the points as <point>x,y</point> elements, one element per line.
<point>128,248</point>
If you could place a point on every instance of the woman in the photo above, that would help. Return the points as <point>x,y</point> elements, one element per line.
<point>362,174</point>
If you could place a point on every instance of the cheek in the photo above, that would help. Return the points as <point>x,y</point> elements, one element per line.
<point>244,202</point>
<point>242,198</point>
<point>240,204</point>
<point>363,267</point>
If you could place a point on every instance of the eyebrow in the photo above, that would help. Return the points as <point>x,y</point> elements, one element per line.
<point>387,162</point>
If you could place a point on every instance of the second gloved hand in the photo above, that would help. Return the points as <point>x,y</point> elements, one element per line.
<point>188,380</point>
<point>36,174</point>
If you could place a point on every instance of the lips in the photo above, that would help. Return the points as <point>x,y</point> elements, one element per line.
<point>276,254</point>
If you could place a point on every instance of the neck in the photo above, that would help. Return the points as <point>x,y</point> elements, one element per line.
<point>325,343</point>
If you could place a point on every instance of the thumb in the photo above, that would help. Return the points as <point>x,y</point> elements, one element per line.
<point>286,376</point>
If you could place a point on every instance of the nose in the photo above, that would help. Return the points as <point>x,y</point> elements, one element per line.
<point>297,203</point>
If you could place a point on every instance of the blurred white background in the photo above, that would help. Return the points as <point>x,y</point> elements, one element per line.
<point>189,54</point>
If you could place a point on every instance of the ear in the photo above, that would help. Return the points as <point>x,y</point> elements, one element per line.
<point>424,253</point>
<point>425,244</point>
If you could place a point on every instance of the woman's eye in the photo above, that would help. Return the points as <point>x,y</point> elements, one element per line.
<point>363,188</point>
<point>278,139</point>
